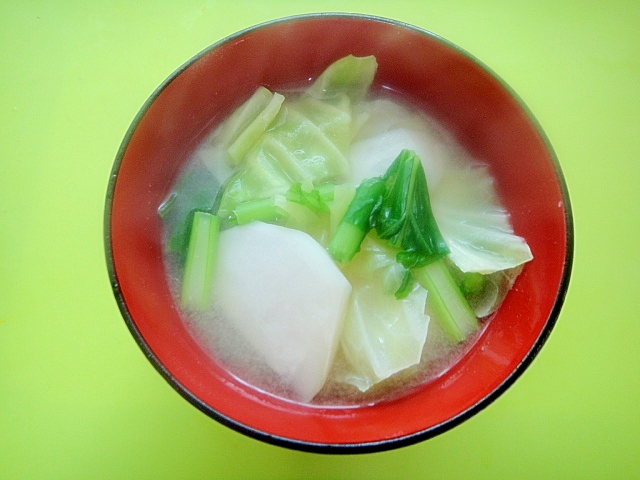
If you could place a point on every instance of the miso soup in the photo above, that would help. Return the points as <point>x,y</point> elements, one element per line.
<point>334,245</point>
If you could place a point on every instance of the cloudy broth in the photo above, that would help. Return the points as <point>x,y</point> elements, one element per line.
<point>382,117</point>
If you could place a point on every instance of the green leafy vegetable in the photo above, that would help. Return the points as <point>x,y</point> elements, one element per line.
<point>358,220</point>
<point>342,196</point>
<point>264,210</point>
<point>397,205</point>
<point>484,292</point>
<point>445,301</point>
<point>406,286</point>
<point>471,283</point>
<point>405,217</point>
<point>201,260</point>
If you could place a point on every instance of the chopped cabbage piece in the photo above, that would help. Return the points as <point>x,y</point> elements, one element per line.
<point>350,75</point>
<point>382,335</point>
<point>474,225</point>
<point>301,138</point>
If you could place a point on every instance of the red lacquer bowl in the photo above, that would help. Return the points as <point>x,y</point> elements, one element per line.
<point>478,108</point>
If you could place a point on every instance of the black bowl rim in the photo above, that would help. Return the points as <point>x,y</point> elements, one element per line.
<point>358,447</point>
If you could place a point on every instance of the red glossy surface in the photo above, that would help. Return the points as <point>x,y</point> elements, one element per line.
<point>445,82</point>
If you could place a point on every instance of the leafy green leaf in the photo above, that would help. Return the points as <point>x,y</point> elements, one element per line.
<point>405,217</point>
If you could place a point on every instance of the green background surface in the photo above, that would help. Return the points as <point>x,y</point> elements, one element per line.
<point>77,397</point>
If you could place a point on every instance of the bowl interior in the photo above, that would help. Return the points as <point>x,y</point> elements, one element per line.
<point>445,82</point>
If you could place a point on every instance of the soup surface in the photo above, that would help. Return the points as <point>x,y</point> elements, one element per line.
<point>308,316</point>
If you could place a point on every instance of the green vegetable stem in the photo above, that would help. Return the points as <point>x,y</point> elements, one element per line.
<point>358,220</point>
<point>264,210</point>
<point>200,264</point>
<point>446,302</point>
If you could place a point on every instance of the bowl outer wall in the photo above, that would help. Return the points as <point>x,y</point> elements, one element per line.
<point>444,81</point>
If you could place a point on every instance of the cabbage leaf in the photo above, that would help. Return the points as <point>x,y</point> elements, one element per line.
<point>301,138</point>
<point>474,225</point>
<point>382,335</point>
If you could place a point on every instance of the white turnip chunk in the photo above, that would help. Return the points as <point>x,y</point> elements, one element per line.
<point>387,128</point>
<point>284,295</point>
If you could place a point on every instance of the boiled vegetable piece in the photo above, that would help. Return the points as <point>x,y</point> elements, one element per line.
<point>406,285</point>
<point>248,138</point>
<point>351,75</point>
<point>342,196</point>
<point>333,118</point>
<point>446,303</point>
<point>306,141</point>
<point>319,158</point>
<point>296,151</point>
<point>265,210</point>
<point>201,262</point>
<point>300,217</point>
<point>196,190</point>
<point>358,220</point>
<point>302,209</point>
<point>311,198</point>
<point>278,208</point>
<point>260,177</point>
<point>386,128</point>
<point>397,206</point>
<point>382,335</point>
<point>378,258</point>
<point>243,128</point>
<point>474,225</point>
<point>284,295</point>
<point>405,217</point>
<point>242,116</point>
<point>485,293</point>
